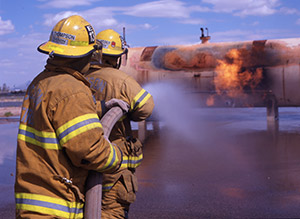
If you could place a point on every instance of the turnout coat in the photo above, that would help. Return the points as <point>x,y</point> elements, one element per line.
<point>60,139</point>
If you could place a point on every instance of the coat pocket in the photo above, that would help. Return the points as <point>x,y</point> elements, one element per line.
<point>128,188</point>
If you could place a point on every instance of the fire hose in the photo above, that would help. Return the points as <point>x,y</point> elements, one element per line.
<point>92,208</point>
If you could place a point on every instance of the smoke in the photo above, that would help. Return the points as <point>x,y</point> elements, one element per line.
<point>176,111</point>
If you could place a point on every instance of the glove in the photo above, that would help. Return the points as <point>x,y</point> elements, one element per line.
<point>116,102</point>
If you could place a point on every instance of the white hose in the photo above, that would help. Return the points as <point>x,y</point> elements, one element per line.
<point>93,197</point>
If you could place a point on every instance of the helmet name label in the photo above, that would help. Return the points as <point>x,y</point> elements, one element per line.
<point>91,33</point>
<point>59,41</point>
<point>61,38</point>
<point>57,34</point>
<point>105,43</point>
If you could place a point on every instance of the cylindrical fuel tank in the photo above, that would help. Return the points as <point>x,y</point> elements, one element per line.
<point>272,64</point>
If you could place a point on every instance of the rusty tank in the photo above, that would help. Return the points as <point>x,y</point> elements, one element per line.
<point>229,74</point>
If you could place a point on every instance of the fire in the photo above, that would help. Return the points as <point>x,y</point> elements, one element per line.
<point>231,79</point>
<point>210,101</point>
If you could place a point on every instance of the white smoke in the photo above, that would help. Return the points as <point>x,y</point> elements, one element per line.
<point>176,111</point>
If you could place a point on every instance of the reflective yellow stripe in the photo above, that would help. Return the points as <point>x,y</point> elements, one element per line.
<point>46,140</point>
<point>49,205</point>
<point>107,187</point>
<point>131,161</point>
<point>111,161</point>
<point>56,48</point>
<point>76,120</point>
<point>122,118</point>
<point>143,101</point>
<point>136,98</point>
<point>138,101</point>
<point>77,126</point>
<point>78,43</point>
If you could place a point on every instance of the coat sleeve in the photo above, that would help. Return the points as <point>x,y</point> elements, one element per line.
<point>140,101</point>
<point>80,134</point>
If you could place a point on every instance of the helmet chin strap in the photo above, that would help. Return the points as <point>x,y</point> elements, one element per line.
<point>114,61</point>
<point>111,61</point>
<point>119,61</point>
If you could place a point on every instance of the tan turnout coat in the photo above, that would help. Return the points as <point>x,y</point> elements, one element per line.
<point>60,139</point>
<point>112,83</point>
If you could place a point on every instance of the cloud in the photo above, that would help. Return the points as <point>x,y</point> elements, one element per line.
<point>6,27</point>
<point>21,61</point>
<point>249,35</point>
<point>193,21</point>
<point>147,26</point>
<point>6,62</point>
<point>230,36</point>
<point>52,19</point>
<point>98,17</point>
<point>104,17</point>
<point>101,17</point>
<point>261,11</point>
<point>197,8</point>
<point>286,10</point>
<point>237,35</point>
<point>245,7</point>
<point>66,3</point>
<point>163,8</point>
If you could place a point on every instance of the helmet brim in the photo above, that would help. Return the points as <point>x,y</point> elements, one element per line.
<point>65,51</point>
<point>113,52</point>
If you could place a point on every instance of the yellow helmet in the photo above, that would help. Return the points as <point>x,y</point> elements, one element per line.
<point>112,42</point>
<point>71,37</point>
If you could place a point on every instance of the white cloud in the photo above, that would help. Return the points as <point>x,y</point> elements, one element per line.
<point>249,35</point>
<point>192,21</point>
<point>104,17</point>
<point>285,10</point>
<point>147,26</point>
<point>101,17</point>
<point>6,62</point>
<point>98,17</point>
<point>25,42</point>
<point>238,35</point>
<point>22,52</point>
<point>260,11</point>
<point>66,3</point>
<point>6,27</point>
<point>163,8</point>
<point>245,7</point>
<point>231,36</point>
<point>52,19</point>
<point>196,8</point>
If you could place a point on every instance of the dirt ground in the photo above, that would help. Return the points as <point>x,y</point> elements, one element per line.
<point>11,111</point>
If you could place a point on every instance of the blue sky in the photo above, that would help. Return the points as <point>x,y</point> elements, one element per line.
<point>25,24</point>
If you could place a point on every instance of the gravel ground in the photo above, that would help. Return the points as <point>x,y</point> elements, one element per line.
<point>14,111</point>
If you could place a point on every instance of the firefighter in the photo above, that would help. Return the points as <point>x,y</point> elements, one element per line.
<point>119,189</point>
<point>60,137</point>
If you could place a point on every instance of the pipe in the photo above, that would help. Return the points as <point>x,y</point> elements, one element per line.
<point>92,208</point>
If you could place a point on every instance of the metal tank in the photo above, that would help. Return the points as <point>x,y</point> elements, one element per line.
<point>237,74</point>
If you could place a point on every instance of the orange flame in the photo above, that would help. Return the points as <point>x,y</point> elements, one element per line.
<point>231,79</point>
<point>210,101</point>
